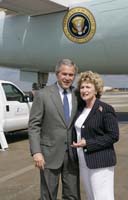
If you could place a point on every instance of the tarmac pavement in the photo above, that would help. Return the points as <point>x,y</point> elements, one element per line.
<point>19,179</point>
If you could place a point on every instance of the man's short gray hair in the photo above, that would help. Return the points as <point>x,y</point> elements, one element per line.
<point>67,62</point>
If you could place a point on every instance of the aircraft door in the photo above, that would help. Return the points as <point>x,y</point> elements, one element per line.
<point>16,111</point>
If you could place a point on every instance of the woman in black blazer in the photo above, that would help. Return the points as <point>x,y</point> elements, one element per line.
<point>96,130</point>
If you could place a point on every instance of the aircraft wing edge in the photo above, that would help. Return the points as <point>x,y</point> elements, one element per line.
<point>32,7</point>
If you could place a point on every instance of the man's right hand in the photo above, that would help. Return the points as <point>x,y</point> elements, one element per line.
<point>39,160</point>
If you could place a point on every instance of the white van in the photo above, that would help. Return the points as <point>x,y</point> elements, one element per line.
<point>14,109</point>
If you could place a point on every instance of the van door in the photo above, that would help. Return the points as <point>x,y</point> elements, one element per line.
<point>16,111</point>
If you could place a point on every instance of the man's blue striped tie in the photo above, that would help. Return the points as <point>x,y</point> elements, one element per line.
<point>66,107</point>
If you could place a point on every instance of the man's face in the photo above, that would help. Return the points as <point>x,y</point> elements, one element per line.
<point>66,76</point>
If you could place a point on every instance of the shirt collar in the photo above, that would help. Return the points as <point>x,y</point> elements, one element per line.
<point>61,89</point>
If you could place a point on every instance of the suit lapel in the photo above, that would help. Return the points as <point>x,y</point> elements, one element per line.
<point>74,107</point>
<point>57,101</point>
<point>93,110</point>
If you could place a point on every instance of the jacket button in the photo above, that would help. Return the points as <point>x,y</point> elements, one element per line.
<point>83,126</point>
<point>65,143</point>
<point>85,150</point>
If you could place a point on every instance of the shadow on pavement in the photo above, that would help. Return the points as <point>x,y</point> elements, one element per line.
<point>16,136</point>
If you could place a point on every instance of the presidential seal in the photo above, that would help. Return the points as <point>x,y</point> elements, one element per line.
<point>79,25</point>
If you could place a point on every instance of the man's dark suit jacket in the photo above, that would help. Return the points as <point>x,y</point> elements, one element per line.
<point>100,130</point>
<point>48,132</point>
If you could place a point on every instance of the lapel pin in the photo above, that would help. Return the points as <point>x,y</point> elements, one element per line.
<point>100,108</point>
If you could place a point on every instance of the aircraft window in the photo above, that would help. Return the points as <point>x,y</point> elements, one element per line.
<point>12,93</point>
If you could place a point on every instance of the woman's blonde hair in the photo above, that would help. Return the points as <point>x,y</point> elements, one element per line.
<point>94,78</point>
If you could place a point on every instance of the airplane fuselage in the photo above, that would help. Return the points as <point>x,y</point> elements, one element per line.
<point>36,43</point>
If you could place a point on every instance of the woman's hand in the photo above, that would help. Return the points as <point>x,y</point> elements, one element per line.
<point>81,143</point>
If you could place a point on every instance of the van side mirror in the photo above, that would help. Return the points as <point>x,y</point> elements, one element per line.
<point>26,98</point>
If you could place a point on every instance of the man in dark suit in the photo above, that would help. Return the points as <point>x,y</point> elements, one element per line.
<point>50,135</point>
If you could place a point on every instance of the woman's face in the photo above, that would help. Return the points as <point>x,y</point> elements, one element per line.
<point>87,91</point>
